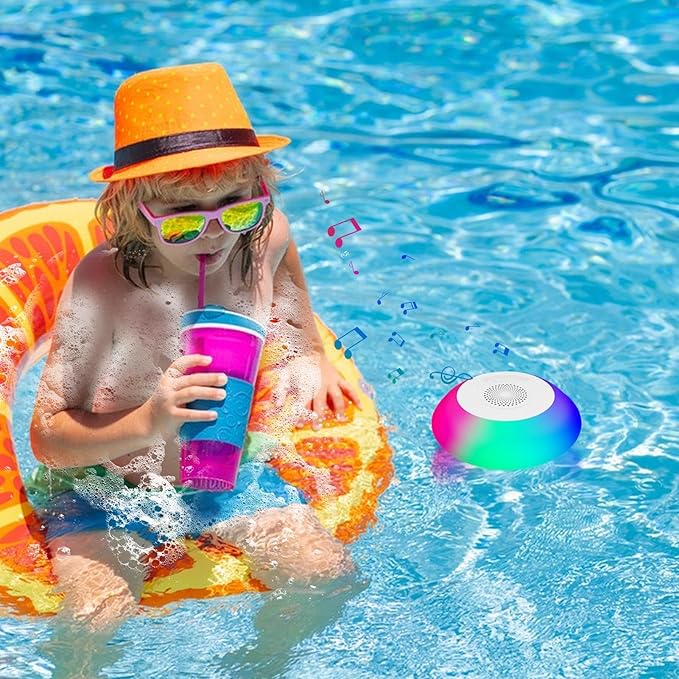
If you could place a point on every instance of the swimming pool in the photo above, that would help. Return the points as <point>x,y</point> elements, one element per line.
<point>523,156</point>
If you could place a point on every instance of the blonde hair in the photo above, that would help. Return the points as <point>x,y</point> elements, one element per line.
<point>126,229</point>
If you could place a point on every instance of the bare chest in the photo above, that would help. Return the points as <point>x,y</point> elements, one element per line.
<point>146,334</point>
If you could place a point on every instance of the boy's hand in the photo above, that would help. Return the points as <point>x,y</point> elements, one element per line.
<point>330,395</point>
<point>166,406</point>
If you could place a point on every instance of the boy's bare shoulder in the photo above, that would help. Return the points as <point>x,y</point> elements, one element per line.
<point>98,266</point>
<point>94,285</point>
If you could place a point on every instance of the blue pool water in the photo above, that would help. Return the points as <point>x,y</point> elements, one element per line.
<point>524,155</point>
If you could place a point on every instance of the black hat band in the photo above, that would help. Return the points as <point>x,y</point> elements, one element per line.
<point>183,141</point>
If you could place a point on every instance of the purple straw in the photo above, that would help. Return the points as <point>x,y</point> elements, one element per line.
<point>201,282</point>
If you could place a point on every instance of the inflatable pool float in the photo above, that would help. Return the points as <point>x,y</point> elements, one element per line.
<point>40,245</point>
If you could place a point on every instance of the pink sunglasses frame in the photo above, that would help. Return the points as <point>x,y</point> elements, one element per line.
<point>209,215</point>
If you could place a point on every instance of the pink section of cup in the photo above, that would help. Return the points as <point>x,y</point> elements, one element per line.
<point>207,462</point>
<point>209,465</point>
<point>233,351</point>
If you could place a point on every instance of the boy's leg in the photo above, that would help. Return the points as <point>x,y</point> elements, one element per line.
<point>266,518</point>
<point>313,575</point>
<point>289,551</point>
<point>287,547</point>
<point>285,619</point>
<point>100,592</point>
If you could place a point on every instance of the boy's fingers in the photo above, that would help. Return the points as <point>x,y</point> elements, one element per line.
<point>319,403</point>
<point>187,361</point>
<point>202,380</point>
<point>337,398</point>
<point>352,393</point>
<point>183,363</point>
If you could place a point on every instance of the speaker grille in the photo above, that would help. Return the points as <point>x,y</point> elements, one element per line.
<point>505,395</point>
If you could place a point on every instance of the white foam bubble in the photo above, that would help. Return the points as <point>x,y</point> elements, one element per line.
<point>154,503</point>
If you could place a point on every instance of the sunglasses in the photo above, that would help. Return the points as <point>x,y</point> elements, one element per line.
<point>183,227</point>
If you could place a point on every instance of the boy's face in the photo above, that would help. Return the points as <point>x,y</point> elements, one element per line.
<point>214,241</point>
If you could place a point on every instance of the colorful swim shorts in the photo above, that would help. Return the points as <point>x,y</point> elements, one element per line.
<point>91,498</point>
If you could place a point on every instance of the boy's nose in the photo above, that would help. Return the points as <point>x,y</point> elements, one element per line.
<point>214,229</point>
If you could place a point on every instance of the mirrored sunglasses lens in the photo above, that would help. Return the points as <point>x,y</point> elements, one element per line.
<point>181,229</point>
<point>243,217</point>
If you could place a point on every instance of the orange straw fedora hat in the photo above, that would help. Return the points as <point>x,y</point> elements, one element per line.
<point>177,118</point>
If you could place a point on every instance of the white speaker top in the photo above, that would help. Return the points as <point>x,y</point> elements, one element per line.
<point>505,396</point>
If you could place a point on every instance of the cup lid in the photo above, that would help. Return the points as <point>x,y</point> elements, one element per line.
<point>216,315</point>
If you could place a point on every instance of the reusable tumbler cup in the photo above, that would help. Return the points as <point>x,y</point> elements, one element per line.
<point>211,451</point>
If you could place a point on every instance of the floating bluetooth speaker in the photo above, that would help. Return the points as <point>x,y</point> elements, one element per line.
<point>506,420</point>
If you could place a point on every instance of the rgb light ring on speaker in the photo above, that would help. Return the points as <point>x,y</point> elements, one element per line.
<point>507,443</point>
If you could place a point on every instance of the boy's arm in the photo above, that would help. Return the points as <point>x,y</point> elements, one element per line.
<point>64,432</point>
<point>290,267</point>
<point>305,320</point>
<point>330,389</point>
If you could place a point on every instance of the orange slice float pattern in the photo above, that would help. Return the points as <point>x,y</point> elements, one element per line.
<point>39,246</point>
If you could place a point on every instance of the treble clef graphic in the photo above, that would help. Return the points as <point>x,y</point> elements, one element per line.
<point>448,378</point>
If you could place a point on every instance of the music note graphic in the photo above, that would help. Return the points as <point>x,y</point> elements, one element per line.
<point>344,254</point>
<point>448,378</point>
<point>325,200</point>
<point>384,294</point>
<point>505,350</point>
<point>440,332</point>
<point>391,339</point>
<point>473,325</point>
<point>338,341</point>
<point>410,308</point>
<point>338,241</point>
<point>400,372</point>
<point>404,256</point>
<point>351,264</point>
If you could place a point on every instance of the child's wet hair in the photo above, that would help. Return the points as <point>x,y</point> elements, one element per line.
<point>127,230</point>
